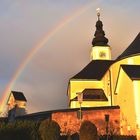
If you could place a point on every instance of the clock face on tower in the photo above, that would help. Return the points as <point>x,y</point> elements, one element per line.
<point>102,54</point>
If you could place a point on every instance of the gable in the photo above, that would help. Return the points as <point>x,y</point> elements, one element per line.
<point>127,73</point>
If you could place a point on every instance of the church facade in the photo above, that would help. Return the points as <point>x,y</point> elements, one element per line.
<point>107,82</point>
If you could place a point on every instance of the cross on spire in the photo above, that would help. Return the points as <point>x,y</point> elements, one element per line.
<point>98,13</point>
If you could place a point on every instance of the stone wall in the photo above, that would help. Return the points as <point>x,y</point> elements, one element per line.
<point>69,122</point>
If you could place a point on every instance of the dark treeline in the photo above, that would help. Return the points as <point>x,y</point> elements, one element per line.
<point>50,130</point>
<point>42,130</point>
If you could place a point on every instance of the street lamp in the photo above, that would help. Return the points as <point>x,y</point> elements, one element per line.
<point>80,100</point>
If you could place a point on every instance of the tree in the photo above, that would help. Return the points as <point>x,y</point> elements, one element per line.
<point>88,131</point>
<point>49,130</point>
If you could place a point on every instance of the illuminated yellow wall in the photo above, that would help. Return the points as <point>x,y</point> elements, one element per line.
<point>124,97</point>
<point>100,53</point>
<point>79,85</point>
<point>75,104</point>
<point>136,84</point>
<point>128,96</point>
<point>21,104</point>
<point>107,86</point>
<point>107,83</point>
<point>135,60</point>
<point>12,102</point>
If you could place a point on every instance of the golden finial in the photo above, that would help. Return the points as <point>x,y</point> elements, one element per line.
<point>98,13</point>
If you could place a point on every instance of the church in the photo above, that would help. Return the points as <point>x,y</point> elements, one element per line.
<point>107,82</point>
<point>104,86</point>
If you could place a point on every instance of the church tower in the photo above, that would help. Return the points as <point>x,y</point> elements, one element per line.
<point>100,49</point>
<point>94,80</point>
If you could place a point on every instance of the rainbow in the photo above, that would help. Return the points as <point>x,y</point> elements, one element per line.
<point>37,47</point>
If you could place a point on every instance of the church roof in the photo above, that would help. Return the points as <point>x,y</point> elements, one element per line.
<point>133,71</point>
<point>133,49</point>
<point>18,95</point>
<point>94,70</point>
<point>93,95</point>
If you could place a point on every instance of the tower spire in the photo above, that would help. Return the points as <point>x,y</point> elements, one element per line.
<point>99,39</point>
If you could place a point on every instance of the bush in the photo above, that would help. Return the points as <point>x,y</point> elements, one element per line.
<point>49,130</point>
<point>20,130</point>
<point>28,129</point>
<point>88,131</point>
